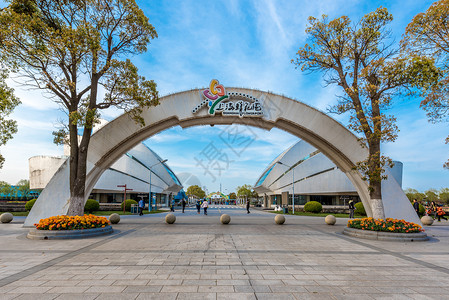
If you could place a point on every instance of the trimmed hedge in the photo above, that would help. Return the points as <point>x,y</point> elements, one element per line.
<point>313,207</point>
<point>360,209</point>
<point>29,204</point>
<point>128,204</point>
<point>91,206</point>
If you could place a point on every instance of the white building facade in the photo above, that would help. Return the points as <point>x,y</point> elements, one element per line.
<point>132,169</point>
<point>316,178</point>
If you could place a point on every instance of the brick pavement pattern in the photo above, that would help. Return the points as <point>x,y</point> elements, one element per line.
<point>199,258</point>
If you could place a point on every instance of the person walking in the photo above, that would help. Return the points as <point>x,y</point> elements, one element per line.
<point>416,206</point>
<point>141,207</point>
<point>440,213</point>
<point>172,205</point>
<point>198,206</point>
<point>351,209</point>
<point>205,205</point>
<point>183,203</point>
<point>247,206</point>
<point>433,209</point>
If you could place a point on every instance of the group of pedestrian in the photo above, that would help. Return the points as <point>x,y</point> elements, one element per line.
<point>202,204</point>
<point>432,209</point>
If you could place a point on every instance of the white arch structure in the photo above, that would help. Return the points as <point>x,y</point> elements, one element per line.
<point>313,126</point>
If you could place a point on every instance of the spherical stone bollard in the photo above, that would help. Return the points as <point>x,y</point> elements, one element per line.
<point>225,219</point>
<point>427,220</point>
<point>279,219</point>
<point>114,218</point>
<point>170,218</point>
<point>6,217</point>
<point>330,220</point>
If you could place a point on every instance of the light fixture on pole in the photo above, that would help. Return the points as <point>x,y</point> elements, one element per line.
<point>151,171</point>
<point>293,184</point>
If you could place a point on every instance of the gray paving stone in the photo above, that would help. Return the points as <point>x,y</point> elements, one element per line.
<point>30,290</point>
<point>199,282</point>
<point>83,296</point>
<point>157,296</point>
<point>236,296</point>
<point>121,296</point>
<point>278,296</point>
<point>68,289</point>
<point>391,296</point>
<point>128,282</point>
<point>38,296</point>
<point>196,296</point>
<point>181,289</point>
<point>105,289</point>
<point>304,260</point>
<point>8,296</point>
<point>96,282</point>
<point>143,289</point>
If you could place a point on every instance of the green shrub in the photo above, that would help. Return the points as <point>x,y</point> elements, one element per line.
<point>128,203</point>
<point>360,209</point>
<point>422,210</point>
<point>91,206</point>
<point>29,204</point>
<point>313,207</point>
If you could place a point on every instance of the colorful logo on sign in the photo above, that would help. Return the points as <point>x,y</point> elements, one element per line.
<point>216,98</point>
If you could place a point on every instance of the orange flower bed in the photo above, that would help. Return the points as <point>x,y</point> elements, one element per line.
<point>388,225</point>
<point>72,222</point>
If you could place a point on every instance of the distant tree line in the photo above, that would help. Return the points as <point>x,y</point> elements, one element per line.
<point>441,195</point>
<point>20,191</point>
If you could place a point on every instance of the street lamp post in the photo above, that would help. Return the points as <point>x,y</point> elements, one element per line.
<point>124,196</point>
<point>293,184</point>
<point>150,198</point>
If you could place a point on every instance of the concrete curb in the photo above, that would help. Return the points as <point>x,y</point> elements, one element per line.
<point>35,234</point>
<point>386,236</point>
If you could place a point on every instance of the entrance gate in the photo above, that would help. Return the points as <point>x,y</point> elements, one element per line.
<point>214,106</point>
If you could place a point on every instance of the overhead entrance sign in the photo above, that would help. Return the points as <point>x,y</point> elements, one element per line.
<point>231,104</point>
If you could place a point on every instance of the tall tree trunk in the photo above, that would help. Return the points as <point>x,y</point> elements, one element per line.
<point>79,170</point>
<point>375,181</point>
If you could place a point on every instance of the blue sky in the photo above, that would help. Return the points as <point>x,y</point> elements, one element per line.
<point>248,44</point>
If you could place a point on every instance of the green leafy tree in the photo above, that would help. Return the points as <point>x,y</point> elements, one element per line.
<point>5,189</point>
<point>431,195</point>
<point>246,191</point>
<point>444,195</point>
<point>428,33</point>
<point>7,104</point>
<point>414,194</point>
<point>72,50</point>
<point>358,57</point>
<point>23,187</point>
<point>232,196</point>
<point>195,190</point>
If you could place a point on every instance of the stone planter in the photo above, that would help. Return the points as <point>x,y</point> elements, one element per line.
<point>170,218</point>
<point>427,220</point>
<point>6,217</point>
<point>225,219</point>
<point>279,219</point>
<point>386,236</point>
<point>330,220</point>
<point>114,218</point>
<point>35,234</point>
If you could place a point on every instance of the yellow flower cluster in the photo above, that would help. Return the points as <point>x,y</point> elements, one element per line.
<point>388,225</point>
<point>71,222</point>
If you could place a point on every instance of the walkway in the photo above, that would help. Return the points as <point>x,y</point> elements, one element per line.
<point>198,258</point>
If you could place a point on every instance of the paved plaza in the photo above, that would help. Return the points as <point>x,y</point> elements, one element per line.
<point>198,258</point>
